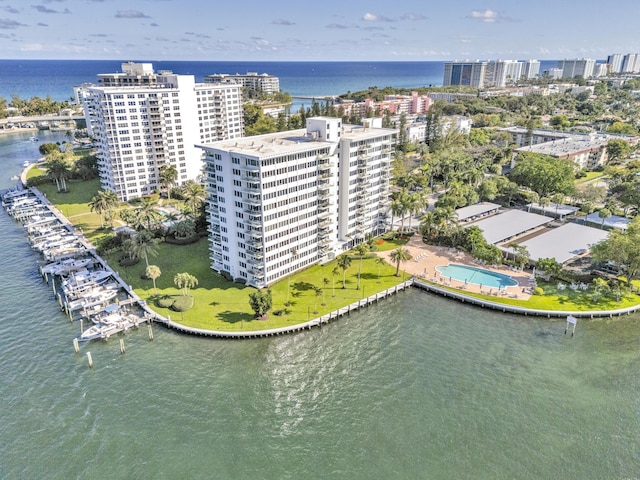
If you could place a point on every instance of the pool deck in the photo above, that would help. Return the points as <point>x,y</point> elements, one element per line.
<point>425,259</point>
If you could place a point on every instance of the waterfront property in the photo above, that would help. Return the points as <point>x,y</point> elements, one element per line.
<point>476,276</point>
<point>281,202</point>
<point>143,121</point>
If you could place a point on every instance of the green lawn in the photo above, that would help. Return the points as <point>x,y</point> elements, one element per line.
<point>554,299</point>
<point>591,176</point>
<point>223,305</point>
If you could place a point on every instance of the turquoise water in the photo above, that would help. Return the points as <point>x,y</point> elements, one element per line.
<point>415,387</point>
<point>476,276</point>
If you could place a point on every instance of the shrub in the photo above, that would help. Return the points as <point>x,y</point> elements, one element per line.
<point>182,303</point>
<point>241,281</point>
<point>39,180</point>
<point>181,241</point>
<point>127,261</point>
<point>165,302</point>
<point>538,291</point>
<point>227,276</point>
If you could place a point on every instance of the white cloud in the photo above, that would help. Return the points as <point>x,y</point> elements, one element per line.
<point>130,14</point>
<point>282,21</point>
<point>488,16</point>
<point>370,17</point>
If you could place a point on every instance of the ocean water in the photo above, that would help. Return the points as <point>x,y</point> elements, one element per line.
<point>28,78</point>
<point>417,386</point>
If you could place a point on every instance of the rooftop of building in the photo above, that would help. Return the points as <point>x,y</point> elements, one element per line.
<point>301,140</point>
<point>270,144</point>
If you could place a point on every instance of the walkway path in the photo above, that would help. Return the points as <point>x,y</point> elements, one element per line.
<point>425,259</point>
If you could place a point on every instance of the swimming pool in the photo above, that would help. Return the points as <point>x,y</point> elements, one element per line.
<point>476,276</point>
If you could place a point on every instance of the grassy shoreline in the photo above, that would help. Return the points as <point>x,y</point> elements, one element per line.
<point>223,305</point>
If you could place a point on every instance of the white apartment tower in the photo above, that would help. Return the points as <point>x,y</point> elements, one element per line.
<point>142,121</point>
<point>280,202</point>
<point>578,67</point>
<point>251,80</point>
<point>615,62</point>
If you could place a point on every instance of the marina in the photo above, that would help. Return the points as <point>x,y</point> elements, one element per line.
<point>85,286</point>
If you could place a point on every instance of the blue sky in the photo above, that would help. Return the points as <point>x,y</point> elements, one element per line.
<point>322,30</point>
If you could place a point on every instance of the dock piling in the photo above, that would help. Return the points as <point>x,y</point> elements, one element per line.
<point>76,347</point>
<point>90,359</point>
<point>122,347</point>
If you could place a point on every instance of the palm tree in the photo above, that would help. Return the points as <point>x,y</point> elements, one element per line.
<point>604,213</point>
<point>185,282</point>
<point>380,261</point>
<point>144,244</point>
<point>344,262</point>
<point>334,273</point>
<point>396,210</point>
<point>361,250</point>
<point>293,252</point>
<point>318,293</point>
<point>103,202</point>
<point>58,171</point>
<point>147,212</point>
<point>153,272</point>
<point>400,255</point>
<point>112,202</point>
<point>98,204</point>
<point>194,196</point>
<point>326,283</point>
<point>168,176</point>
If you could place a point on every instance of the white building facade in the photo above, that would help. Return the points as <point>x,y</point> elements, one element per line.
<point>280,202</point>
<point>251,80</point>
<point>142,121</point>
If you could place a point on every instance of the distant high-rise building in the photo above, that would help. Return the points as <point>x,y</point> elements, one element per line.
<point>283,201</point>
<point>471,73</point>
<point>491,73</point>
<point>579,67</point>
<point>142,121</point>
<point>251,80</point>
<point>531,69</point>
<point>615,62</point>
<point>631,63</point>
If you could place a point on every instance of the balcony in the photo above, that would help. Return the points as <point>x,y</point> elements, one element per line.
<point>253,200</point>
<point>251,177</point>
<point>254,221</point>
<point>325,222</point>
<point>324,241</point>
<point>256,255</point>
<point>251,188</point>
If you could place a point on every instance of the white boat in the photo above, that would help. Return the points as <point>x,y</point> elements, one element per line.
<point>100,331</point>
<point>88,290</point>
<point>67,266</point>
<point>94,298</point>
<point>85,277</point>
<point>34,139</point>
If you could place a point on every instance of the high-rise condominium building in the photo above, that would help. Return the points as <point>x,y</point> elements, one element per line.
<point>251,80</point>
<point>578,67</point>
<point>491,73</point>
<point>631,63</point>
<point>615,62</point>
<point>143,121</point>
<point>470,73</point>
<point>283,201</point>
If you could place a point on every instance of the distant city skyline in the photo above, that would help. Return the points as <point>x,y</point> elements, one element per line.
<point>331,30</point>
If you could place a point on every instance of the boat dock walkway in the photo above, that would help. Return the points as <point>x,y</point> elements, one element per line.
<point>87,248</point>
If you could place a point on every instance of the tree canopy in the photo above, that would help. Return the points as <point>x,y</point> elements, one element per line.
<point>543,174</point>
